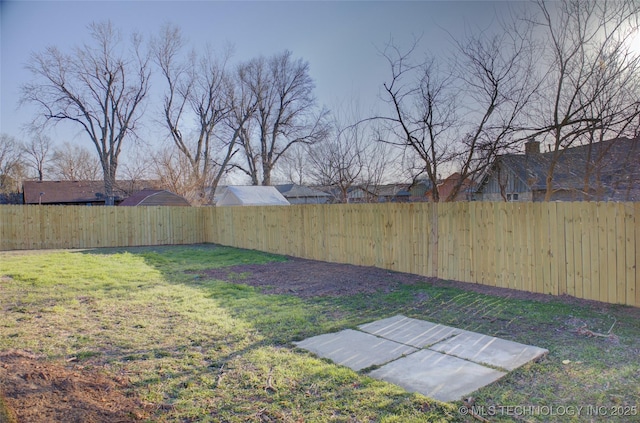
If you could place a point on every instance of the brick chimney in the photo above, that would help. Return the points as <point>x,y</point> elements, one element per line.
<point>532,146</point>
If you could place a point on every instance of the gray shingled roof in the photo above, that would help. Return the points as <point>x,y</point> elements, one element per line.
<point>299,191</point>
<point>154,197</point>
<point>614,163</point>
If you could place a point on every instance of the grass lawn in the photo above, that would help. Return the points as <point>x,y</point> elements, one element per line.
<point>207,350</point>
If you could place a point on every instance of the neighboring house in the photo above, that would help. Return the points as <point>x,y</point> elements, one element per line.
<point>369,194</point>
<point>75,192</point>
<point>604,171</point>
<point>298,194</point>
<point>353,194</point>
<point>419,189</point>
<point>251,196</point>
<point>392,193</point>
<point>446,187</point>
<point>358,194</point>
<point>154,197</point>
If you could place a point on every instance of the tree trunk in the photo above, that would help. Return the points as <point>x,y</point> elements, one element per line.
<point>109,183</point>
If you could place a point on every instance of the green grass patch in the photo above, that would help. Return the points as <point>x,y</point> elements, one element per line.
<point>207,350</point>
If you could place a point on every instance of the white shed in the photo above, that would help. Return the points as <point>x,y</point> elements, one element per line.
<point>252,196</point>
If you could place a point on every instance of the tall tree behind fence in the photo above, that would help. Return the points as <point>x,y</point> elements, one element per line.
<point>586,250</point>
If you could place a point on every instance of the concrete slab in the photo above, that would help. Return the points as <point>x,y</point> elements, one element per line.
<point>354,349</point>
<point>436,375</point>
<point>452,365</point>
<point>414,332</point>
<point>484,349</point>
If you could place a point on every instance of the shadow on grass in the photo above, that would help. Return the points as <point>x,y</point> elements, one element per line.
<point>527,321</point>
<point>593,347</point>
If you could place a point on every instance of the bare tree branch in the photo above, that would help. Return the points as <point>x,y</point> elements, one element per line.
<point>98,87</point>
<point>429,117</point>
<point>285,113</point>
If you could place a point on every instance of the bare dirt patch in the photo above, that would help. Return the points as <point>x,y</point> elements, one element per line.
<point>35,390</point>
<point>309,278</point>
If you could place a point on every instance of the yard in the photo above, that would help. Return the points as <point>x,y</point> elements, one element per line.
<point>204,333</point>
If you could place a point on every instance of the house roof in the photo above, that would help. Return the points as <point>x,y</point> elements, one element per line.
<point>252,196</point>
<point>446,186</point>
<point>615,163</point>
<point>154,197</point>
<point>393,190</point>
<point>299,191</point>
<point>75,192</point>
<point>55,192</point>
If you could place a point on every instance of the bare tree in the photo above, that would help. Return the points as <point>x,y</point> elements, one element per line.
<point>286,113</point>
<point>12,167</point>
<point>337,163</point>
<point>98,87</point>
<point>491,74</point>
<point>590,82</point>
<point>198,100</point>
<point>36,153</point>
<point>351,156</point>
<point>136,170</point>
<point>381,162</point>
<point>70,162</point>
<point>295,165</point>
<point>172,169</point>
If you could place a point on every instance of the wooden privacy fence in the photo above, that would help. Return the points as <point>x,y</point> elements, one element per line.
<point>586,250</point>
<point>44,227</point>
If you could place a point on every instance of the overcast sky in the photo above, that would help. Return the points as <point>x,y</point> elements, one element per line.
<point>340,40</point>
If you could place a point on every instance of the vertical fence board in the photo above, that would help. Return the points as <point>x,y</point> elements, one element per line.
<point>509,245</point>
<point>462,224</point>
<point>526,252</point>
<point>601,247</point>
<point>481,236</point>
<point>561,249</point>
<point>589,249</point>
<point>631,270</point>
<point>492,265</point>
<point>499,233</point>
<point>612,267</point>
<point>443,239</point>
<point>537,264</point>
<point>577,247</point>
<point>571,246</point>
<point>452,232</point>
<point>489,246</point>
<point>553,253</point>
<point>595,239</point>
<point>422,234</point>
<point>620,254</point>
<point>474,222</point>
<point>462,220</point>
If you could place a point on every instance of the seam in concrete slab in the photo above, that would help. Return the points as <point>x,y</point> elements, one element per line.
<point>428,347</point>
<point>373,367</point>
